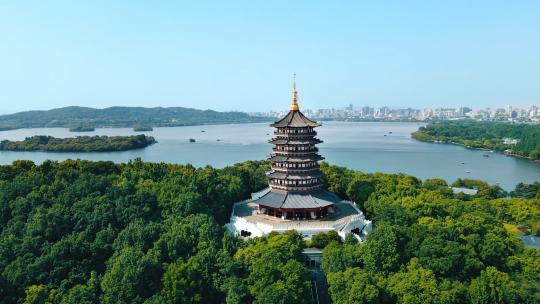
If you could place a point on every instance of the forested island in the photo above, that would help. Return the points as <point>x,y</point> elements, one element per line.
<point>82,129</point>
<point>141,128</point>
<point>516,139</point>
<point>101,232</point>
<point>79,143</point>
<point>128,117</point>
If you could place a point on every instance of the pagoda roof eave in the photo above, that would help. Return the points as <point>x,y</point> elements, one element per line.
<point>282,141</point>
<point>281,158</point>
<point>295,119</point>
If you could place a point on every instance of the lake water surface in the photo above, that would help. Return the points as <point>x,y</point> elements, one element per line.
<point>357,145</point>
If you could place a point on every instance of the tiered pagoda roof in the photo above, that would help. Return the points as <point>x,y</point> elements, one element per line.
<point>295,119</point>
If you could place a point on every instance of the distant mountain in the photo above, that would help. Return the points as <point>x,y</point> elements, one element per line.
<point>121,117</point>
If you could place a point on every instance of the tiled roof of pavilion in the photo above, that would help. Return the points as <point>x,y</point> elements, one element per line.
<point>292,200</point>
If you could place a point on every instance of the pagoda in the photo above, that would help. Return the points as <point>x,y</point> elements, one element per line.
<point>295,198</point>
<point>295,180</point>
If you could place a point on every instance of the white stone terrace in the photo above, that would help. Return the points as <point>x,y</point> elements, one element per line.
<point>347,217</point>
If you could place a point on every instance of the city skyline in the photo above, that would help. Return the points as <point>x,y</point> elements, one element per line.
<point>367,112</point>
<point>241,55</point>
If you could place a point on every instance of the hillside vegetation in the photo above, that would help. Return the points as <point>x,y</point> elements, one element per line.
<point>120,117</point>
<point>428,246</point>
<point>100,232</point>
<point>79,143</point>
<point>484,135</point>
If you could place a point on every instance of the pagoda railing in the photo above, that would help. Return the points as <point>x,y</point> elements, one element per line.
<point>294,170</point>
<point>291,156</point>
<point>310,140</point>
<point>295,188</point>
<point>296,152</point>
<point>284,134</point>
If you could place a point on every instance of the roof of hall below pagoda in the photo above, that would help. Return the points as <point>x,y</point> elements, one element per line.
<point>296,200</point>
<point>295,118</point>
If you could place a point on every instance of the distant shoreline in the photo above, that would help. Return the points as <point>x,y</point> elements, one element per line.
<point>208,124</point>
<point>472,135</point>
<point>131,127</point>
<point>119,117</point>
<point>479,149</point>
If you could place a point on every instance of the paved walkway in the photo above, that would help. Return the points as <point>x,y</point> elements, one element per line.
<point>319,287</point>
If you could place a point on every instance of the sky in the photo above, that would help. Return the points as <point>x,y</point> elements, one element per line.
<point>241,55</point>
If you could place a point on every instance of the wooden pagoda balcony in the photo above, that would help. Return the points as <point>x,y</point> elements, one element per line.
<point>295,152</point>
<point>293,188</point>
<point>295,170</point>
<point>295,135</point>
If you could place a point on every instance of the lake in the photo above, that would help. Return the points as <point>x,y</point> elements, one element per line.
<point>357,145</point>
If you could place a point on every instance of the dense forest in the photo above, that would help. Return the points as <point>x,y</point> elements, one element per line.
<point>79,143</point>
<point>484,135</point>
<point>431,247</point>
<point>100,232</point>
<point>120,117</point>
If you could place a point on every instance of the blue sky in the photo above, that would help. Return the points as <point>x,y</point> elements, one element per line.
<point>240,55</point>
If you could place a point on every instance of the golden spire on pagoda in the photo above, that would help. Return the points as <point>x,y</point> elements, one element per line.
<point>294,105</point>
